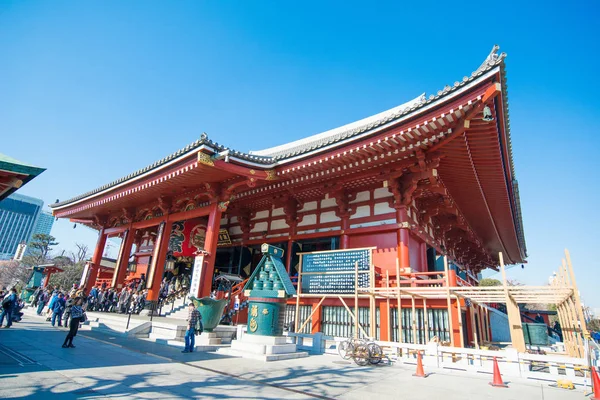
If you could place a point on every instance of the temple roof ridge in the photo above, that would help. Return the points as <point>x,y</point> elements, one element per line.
<point>332,134</point>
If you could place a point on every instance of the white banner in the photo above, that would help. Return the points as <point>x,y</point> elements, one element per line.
<point>84,276</point>
<point>196,275</point>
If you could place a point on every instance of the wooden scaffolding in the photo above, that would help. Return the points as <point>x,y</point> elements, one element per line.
<point>562,292</point>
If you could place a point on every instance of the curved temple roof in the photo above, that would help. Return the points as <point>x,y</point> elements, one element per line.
<point>278,155</point>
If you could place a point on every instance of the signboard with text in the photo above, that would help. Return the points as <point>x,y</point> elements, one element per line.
<point>334,272</point>
<point>196,275</point>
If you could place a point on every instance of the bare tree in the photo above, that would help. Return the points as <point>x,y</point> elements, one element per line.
<point>81,254</point>
<point>13,273</point>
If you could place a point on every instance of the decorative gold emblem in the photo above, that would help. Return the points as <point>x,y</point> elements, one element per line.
<point>254,311</point>
<point>253,325</point>
<point>252,171</point>
<point>271,175</point>
<point>405,225</point>
<point>265,311</point>
<point>205,159</point>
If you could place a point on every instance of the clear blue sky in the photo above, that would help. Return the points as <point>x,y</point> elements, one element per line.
<point>95,90</point>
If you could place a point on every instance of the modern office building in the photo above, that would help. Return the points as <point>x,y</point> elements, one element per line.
<point>44,224</point>
<point>19,216</point>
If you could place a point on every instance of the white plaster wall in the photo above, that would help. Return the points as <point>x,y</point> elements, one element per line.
<point>382,208</point>
<point>381,193</point>
<point>309,219</point>
<point>311,205</point>
<point>224,221</point>
<point>362,211</point>
<point>327,203</point>
<point>235,230</point>
<point>374,223</point>
<point>279,224</point>
<point>277,212</point>
<point>261,214</point>
<point>362,196</point>
<point>260,227</point>
<point>233,220</point>
<point>329,216</point>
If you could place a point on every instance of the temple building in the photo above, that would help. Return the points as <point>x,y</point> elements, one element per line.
<point>429,178</point>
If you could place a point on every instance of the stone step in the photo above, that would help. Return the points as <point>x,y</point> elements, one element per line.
<point>262,357</point>
<point>181,344</point>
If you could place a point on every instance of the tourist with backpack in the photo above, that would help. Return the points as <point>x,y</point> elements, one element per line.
<point>8,304</point>
<point>77,316</point>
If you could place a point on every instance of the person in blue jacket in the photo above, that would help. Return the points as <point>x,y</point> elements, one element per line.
<point>58,307</point>
<point>8,304</point>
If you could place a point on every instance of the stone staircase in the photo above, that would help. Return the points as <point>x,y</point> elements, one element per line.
<point>179,308</point>
<point>116,324</point>
<point>174,335</point>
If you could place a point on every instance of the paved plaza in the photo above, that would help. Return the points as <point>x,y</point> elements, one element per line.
<point>34,365</point>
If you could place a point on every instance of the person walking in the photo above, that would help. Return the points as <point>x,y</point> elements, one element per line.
<point>8,304</point>
<point>57,309</point>
<point>42,300</point>
<point>77,316</point>
<point>190,334</point>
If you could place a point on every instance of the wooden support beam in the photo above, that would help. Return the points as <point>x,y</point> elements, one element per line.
<point>414,320</point>
<point>514,314</point>
<point>460,322</point>
<point>311,314</point>
<point>298,294</point>
<point>372,312</point>
<point>399,314</point>
<point>576,296</point>
<point>387,285</point>
<point>473,327</point>
<point>356,324</point>
<point>449,303</point>
<point>354,317</point>
<point>426,320</point>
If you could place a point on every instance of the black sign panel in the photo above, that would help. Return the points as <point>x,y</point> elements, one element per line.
<point>333,272</point>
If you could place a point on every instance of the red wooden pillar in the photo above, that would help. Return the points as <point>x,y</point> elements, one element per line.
<point>210,245</point>
<point>344,240</point>
<point>403,238</point>
<point>47,279</point>
<point>96,260</point>
<point>290,245</point>
<point>423,254</point>
<point>452,277</point>
<point>123,259</point>
<point>159,256</point>
<point>458,338</point>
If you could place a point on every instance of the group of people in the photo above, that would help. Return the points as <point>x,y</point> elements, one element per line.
<point>127,300</point>
<point>11,307</point>
<point>59,303</point>
<point>175,284</point>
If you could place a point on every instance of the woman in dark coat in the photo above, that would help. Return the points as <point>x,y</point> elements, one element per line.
<point>76,317</point>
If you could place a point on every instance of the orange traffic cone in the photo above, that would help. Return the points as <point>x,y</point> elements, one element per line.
<point>420,373</point>
<point>497,381</point>
<point>595,385</point>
